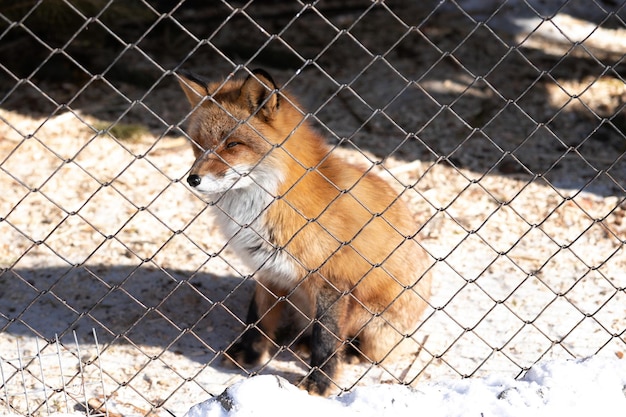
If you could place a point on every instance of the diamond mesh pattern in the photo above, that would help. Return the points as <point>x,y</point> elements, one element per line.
<point>501,124</point>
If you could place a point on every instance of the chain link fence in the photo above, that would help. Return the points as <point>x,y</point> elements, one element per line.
<point>500,123</point>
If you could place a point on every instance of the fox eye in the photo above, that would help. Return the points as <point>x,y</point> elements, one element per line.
<point>232,144</point>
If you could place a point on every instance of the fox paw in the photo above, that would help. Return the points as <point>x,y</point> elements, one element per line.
<point>316,383</point>
<point>243,355</point>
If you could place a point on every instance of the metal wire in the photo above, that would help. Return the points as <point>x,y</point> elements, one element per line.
<point>467,110</point>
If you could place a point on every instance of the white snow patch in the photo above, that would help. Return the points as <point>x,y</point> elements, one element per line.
<point>593,386</point>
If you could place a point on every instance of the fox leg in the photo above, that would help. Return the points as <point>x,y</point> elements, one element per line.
<point>262,321</point>
<point>326,339</point>
<point>378,340</point>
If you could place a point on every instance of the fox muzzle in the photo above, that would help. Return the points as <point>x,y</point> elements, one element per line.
<point>194,180</point>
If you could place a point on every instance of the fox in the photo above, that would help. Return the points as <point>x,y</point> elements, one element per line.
<point>329,240</point>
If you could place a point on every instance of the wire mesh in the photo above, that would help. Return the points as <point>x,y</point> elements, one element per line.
<point>52,379</point>
<point>499,124</point>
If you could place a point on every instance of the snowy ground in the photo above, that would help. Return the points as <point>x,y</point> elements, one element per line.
<point>590,387</point>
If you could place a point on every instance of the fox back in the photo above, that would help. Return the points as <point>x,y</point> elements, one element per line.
<point>329,239</point>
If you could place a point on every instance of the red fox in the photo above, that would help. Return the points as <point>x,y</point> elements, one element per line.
<point>328,239</point>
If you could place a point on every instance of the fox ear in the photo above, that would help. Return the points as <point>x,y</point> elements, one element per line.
<point>260,94</point>
<point>194,87</point>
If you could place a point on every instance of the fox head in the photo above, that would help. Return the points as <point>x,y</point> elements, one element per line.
<point>236,127</point>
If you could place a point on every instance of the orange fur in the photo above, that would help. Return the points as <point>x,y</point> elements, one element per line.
<point>310,221</point>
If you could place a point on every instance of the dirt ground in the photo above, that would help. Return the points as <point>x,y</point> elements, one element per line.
<point>506,138</point>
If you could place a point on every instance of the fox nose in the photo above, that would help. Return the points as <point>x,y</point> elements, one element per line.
<point>194,180</point>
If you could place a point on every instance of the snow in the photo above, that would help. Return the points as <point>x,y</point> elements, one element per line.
<point>585,387</point>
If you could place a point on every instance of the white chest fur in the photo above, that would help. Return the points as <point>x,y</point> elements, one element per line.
<point>241,215</point>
